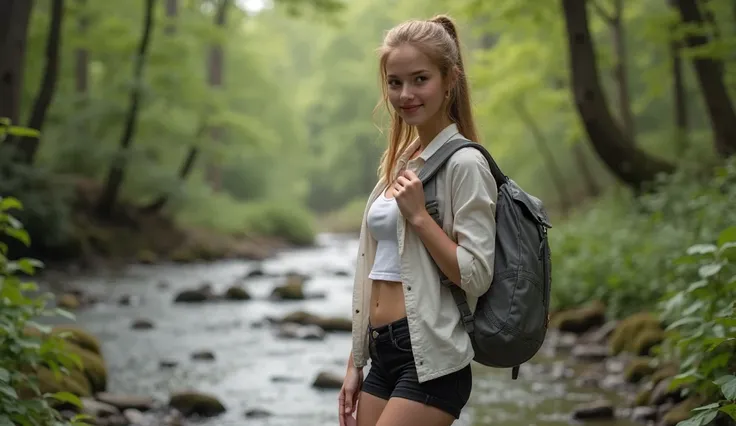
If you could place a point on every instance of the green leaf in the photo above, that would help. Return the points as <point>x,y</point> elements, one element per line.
<point>20,235</point>
<point>4,375</point>
<point>728,251</point>
<point>709,270</point>
<point>708,407</point>
<point>8,391</point>
<point>701,249</point>
<point>684,321</point>
<point>23,132</point>
<point>67,397</point>
<point>9,203</point>
<point>730,409</point>
<point>728,235</point>
<point>728,386</point>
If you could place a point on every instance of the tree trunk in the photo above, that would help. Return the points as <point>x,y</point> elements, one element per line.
<point>710,76</point>
<point>631,165</point>
<point>678,93</point>
<point>214,78</point>
<point>81,65</point>
<point>116,175</point>
<point>27,147</point>
<point>591,184</point>
<point>549,158</point>
<point>621,71</point>
<point>184,170</point>
<point>14,19</point>
<point>172,11</point>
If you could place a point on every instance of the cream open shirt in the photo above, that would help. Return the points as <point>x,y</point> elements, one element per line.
<point>439,341</point>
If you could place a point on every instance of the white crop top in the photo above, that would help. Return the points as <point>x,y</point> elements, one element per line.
<point>383,219</point>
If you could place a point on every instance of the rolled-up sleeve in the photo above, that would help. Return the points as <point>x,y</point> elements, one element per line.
<point>474,196</point>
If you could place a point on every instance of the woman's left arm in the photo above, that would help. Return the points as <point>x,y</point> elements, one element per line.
<point>469,262</point>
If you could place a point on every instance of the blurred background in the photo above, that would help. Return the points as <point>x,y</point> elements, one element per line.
<point>193,173</point>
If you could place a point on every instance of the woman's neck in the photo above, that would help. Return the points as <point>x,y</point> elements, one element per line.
<point>429,130</point>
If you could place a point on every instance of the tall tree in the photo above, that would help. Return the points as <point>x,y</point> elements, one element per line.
<point>214,78</point>
<point>28,146</point>
<point>14,19</point>
<point>615,23</point>
<point>710,76</point>
<point>630,164</point>
<point>116,175</point>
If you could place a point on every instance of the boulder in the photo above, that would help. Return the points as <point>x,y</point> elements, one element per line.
<point>142,324</point>
<point>598,410</point>
<point>293,289</point>
<point>326,380</point>
<point>79,337</point>
<point>190,403</point>
<point>236,293</point>
<point>98,409</point>
<point>627,331</point>
<point>124,402</point>
<point>580,320</point>
<point>638,369</point>
<point>68,301</point>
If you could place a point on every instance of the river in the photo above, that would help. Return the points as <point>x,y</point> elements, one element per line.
<point>249,356</point>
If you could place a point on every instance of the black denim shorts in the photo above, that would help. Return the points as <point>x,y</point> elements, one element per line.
<point>394,374</point>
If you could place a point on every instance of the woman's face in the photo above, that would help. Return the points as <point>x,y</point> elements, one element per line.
<point>415,85</point>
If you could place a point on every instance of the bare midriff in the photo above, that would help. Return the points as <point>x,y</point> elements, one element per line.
<point>387,302</point>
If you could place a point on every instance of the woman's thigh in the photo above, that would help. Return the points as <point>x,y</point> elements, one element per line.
<point>370,408</point>
<point>405,412</point>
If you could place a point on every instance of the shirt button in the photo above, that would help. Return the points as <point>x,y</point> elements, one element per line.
<point>357,311</point>
<point>408,287</point>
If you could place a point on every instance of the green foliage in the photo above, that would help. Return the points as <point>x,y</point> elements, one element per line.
<point>702,325</point>
<point>623,250</point>
<point>21,352</point>
<point>283,219</point>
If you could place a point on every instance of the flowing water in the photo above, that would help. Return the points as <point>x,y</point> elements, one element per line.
<point>253,368</point>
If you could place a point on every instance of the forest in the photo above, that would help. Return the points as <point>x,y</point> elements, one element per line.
<point>153,131</point>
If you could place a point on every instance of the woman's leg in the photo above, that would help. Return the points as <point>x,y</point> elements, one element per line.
<point>405,412</point>
<point>370,408</point>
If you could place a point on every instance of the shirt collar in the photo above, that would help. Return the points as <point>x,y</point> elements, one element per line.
<point>439,140</point>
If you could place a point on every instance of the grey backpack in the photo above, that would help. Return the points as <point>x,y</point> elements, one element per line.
<point>511,318</point>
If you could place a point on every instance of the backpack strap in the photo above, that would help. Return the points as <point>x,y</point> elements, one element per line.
<point>426,175</point>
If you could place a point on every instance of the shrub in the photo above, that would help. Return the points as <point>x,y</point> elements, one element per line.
<point>702,326</point>
<point>24,352</point>
<point>622,250</point>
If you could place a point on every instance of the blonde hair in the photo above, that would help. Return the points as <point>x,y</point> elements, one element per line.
<point>437,38</point>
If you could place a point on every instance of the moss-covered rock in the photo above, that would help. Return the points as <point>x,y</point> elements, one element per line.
<point>580,320</point>
<point>626,332</point>
<point>146,256</point>
<point>681,411</point>
<point>236,293</point>
<point>646,340</point>
<point>68,301</point>
<point>642,398</point>
<point>92,365</point>
<point>325,323</point>
<point>664,372</point>
<point>76,383</point>
<point>638,368</point>
<point>292,290</point>
<point>191,403</point>
<point>79,337</point>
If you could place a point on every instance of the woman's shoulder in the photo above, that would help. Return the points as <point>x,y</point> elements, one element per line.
<point>468,157</point>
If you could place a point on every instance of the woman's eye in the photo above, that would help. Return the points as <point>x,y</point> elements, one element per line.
<point>421,79</point>
<point>394,83</point>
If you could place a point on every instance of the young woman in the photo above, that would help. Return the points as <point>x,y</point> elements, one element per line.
<point>404,319</point>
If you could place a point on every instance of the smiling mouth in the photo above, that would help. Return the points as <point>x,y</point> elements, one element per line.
<point>412,108</point>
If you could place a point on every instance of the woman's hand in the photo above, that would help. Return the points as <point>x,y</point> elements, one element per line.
<point>348,398</point>
<point>409,193</point>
